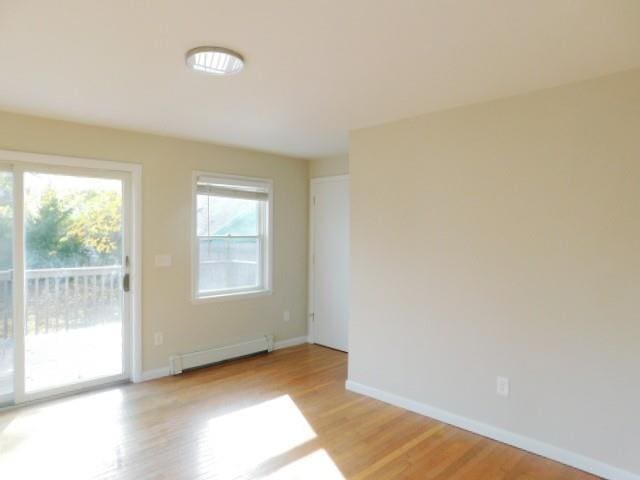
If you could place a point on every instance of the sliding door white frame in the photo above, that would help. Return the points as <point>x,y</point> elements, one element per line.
<point>11,397</point>
<point>132,192</point>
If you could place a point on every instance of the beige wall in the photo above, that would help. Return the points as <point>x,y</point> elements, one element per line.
<point>330,166</point>
<point>504,239</point>
<point>167,166</point>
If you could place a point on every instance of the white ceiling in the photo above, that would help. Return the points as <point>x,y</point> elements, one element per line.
<point>315,68</point>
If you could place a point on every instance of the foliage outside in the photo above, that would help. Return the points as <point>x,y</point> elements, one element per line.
<point>65,230</point>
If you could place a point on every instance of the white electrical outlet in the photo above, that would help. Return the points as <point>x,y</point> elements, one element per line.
<point>502,386</point>
<point>158,339</point>
<point>286,316</point>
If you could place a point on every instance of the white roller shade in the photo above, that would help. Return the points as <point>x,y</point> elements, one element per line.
<point>232,192</point>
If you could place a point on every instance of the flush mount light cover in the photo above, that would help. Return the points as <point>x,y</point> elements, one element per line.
<point>215,60</point>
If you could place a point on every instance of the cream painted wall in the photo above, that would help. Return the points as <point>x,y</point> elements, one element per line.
<point>330,166</point>
<point>167,166</point>
<point>504,239</point>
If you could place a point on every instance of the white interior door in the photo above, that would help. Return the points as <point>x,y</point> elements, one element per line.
<point>330,261</point>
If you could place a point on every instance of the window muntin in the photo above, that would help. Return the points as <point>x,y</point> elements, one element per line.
<point>232,236</point>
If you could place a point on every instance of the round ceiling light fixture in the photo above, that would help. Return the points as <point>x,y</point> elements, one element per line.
<point>215,60</point>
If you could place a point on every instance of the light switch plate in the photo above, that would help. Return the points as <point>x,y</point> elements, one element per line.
<point>163,260</point>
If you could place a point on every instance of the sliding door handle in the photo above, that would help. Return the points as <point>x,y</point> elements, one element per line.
<point>126,279</point>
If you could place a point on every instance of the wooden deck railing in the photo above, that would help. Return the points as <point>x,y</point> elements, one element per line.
<point>63,299</point>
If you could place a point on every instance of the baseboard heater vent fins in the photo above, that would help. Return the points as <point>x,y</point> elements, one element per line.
<point>179,363</point>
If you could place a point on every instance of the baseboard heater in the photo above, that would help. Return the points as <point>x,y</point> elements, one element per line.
<point>179,363</point>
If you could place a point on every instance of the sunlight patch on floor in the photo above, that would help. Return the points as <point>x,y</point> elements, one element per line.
<point>76,437</point>
<point>236,443</point>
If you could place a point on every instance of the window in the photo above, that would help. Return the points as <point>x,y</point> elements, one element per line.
<point>232,236</point>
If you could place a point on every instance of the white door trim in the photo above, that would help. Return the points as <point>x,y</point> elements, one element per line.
<point>107,167</point>
<point>311,292</point>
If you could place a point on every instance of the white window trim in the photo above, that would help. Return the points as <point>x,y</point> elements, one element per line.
<point>267,249</point>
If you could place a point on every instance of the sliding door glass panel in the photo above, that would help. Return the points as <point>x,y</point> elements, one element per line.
<point>6,285</point>
<point>73,292</point>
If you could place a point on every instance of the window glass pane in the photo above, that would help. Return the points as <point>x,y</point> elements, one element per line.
<point>228,263</point>
<point>202,215</point>
<point>233,216</point>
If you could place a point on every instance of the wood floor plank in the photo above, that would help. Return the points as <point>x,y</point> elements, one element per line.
<point>397,452</point>
<point>285,415</point>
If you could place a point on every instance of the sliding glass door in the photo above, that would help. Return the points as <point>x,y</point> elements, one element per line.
<point>7,351</point>
<point>63,315</point>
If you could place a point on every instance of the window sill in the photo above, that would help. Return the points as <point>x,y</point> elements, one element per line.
<point>232,296</point>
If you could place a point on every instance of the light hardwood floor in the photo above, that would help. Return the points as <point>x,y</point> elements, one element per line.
<point>285,415</point>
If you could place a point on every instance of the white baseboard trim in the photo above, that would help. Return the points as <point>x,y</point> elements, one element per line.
<point>525,443</point>
<point>153,374</point>
<point>290,342</point>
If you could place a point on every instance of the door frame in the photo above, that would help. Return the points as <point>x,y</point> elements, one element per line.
<point>132,192</point>
<point>311,280</point>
